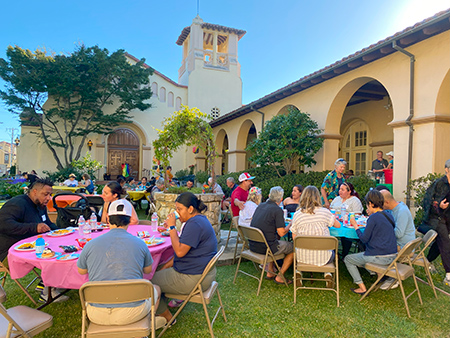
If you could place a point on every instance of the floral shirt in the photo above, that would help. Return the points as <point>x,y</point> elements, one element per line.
<point>331,185</point>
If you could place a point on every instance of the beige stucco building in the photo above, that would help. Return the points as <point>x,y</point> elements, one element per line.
<point>392,95</point>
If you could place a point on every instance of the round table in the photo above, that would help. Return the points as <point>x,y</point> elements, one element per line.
<point>137,195</point>
<point>64,274</point>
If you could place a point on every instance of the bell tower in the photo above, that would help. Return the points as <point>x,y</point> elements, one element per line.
<point>210,67</point>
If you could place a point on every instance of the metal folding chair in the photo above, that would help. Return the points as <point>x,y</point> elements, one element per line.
<point>5,270</point>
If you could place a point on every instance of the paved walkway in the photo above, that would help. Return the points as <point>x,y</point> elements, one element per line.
<point>227,256</point>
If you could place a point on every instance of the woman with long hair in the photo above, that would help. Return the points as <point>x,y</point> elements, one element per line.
<point>113,192</point>
<point>87,183</point>
<point>313,220</point>
<point>193,248</point>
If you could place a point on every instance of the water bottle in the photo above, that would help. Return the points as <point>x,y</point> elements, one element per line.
<point>154,221</point>
<point>81,223</point>
<point>93,221</point>
<point>87,230</point>
<point>39,246</point>
<point>344,215</point>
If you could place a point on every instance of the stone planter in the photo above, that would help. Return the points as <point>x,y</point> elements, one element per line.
<point>165,204</point>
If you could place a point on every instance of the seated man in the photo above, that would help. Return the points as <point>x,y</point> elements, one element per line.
<point>117,255</point>
<point>216,189</point>
<point>269,218</point>
<point>24,216</point>
<point>404,229</point>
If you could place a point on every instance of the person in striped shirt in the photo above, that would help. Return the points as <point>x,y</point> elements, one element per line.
<point>314,220</point>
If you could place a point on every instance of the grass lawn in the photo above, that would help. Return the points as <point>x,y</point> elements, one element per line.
<point>273,314</point>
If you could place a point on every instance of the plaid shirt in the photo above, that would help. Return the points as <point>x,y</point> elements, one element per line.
<point>331,185</point>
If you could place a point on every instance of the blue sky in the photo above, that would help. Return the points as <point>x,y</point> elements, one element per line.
<point>285,40</point>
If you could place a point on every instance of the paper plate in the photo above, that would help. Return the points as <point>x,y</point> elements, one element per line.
<point>17,247</point>
<point>60,232</point>
<point>68,257</point>
<point>56,255</point>
<point>155,241</point>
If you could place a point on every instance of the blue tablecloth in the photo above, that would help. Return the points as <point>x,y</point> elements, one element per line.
<point>345,232</point>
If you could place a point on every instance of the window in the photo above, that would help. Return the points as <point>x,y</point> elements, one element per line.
<point>162,94</point>
<point>155,89</point>
<point>360,163</point>
<point>170,99</point>
<point>360,138</point>
<point>215,113</point>
<point>6,158</point>
<point>354,147</point>
<point>178,103</point>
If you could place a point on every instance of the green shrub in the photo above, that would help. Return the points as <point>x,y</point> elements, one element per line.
<point>179,190</point>
<point>99,188</point>
<point>7,188</point>
<point>362,185</point>
<point>63,174</point>
<point>418,188</point>
<point>182,173</point>
<point>201,177</point>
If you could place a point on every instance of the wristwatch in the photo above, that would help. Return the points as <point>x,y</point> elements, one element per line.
<point>172,227</point>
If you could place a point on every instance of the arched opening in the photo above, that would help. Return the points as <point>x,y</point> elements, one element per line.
<point>123,148</point>
<point>170,99</point>
<point>285,109</point>
<point>222,151</point>
<point>443,97</point>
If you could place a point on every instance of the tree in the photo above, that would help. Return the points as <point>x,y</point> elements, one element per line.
<point>66,96</point>
<point>190,127</point>
<point>287,140</point>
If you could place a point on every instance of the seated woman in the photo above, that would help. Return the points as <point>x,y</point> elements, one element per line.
<point>112,192</point>
<point>379,238</point>
<point>291,203</point>
<point>143,185</point>
<point>71,182</point>
<point>130,184</point>
<point>350,198</point>
<point>87,183</point>
<point>194,248</point>
<point>313,220</point>
<point>253,200</point>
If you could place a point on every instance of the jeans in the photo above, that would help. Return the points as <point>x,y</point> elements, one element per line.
<point>356,260</point>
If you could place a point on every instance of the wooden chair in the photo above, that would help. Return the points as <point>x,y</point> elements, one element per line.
<point>118,292</point>
<point>259,260</point>
<point>316,243</point>
<point>23,321</point>
<point>5,270</point>
<point>201,297</point>
<point>397,270</point>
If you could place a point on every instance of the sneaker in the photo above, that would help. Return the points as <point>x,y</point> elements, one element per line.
<point>175,303</point>
<point>446,281</point>
<point>40,287</point>
<point>329,280</point>
<point>43,297</point>
<point>389,284</point>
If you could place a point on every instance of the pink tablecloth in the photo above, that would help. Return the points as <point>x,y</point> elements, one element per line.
<point>64,274</point>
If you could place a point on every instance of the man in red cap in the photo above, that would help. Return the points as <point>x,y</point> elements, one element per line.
<point>240,194</point>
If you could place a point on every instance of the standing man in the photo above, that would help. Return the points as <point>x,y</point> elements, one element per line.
<point>437,217</point>
<point>114,256</point>
<point>404,229</point>
<point>379,164</point>
<point>269,218</point>
<point>240,194</point>
<point>25,216</point>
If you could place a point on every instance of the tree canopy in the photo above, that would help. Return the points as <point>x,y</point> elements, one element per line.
<point>65,96</point>
<point>287,140</point>
<point>190,127</point>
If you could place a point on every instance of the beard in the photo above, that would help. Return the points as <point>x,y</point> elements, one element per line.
<point>39,204</point>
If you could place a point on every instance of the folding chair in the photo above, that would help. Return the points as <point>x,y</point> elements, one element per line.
<point>23,321</point>
<point>397,270</point>
<point>421,260</point>
<point>316,243</point>
<point>4,269</point>
<point>151,205</point>
<point>256,235</point>
<point>118,292</point>
<point>234,224</point>
<point>201,297</point>
<point>2,295</point>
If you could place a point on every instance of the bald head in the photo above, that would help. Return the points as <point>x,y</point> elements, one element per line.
<point>389,200</point>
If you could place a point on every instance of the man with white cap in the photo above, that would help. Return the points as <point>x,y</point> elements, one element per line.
<point>240,194</point>
<point>117,255</point>
<point>390,156</point>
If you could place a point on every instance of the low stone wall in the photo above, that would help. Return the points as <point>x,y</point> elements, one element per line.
<point>165,204</point>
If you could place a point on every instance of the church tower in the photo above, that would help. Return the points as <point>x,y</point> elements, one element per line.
<point>210,67</point>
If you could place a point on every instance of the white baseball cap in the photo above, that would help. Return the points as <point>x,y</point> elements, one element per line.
<point>120,207</point>
<point>391,153</point>
<point>245,177</point>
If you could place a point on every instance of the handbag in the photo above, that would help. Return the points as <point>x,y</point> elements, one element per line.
<point>68,216</point>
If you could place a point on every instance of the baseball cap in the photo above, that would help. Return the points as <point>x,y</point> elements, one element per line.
<point>72,175</point>
<point>391,153</point>
<point>120,207</point>
<point>245,177</point>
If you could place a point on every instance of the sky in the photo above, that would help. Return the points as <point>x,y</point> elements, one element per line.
<point>285,40</point>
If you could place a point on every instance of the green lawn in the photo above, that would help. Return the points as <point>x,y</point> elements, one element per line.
<point>273,314</point>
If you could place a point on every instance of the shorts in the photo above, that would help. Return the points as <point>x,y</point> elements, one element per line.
<point>284,247</point>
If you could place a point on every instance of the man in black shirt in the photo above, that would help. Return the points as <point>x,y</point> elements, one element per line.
<point>379,164</point>
<point>269,218</point>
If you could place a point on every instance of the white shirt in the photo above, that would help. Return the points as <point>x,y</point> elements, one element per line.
<point>353,204</point>
<point>246,214</point>
<point>316,224</point>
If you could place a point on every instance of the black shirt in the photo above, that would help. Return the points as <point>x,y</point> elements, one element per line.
<point>19,218</point>
<point>268,217</point>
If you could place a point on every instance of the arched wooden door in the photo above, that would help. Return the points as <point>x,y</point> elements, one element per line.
<point>123,147</point>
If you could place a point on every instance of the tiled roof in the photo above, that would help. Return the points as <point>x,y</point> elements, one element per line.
<point>155,71</point>
<point>434,25</point>
<point>186,30</point>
